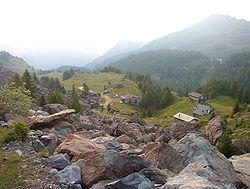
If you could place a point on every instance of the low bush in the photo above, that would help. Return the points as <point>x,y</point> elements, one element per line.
<point>17,131</point>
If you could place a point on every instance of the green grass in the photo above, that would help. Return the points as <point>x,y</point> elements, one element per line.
<point>96,83</point>
<point>222,104</point>
<point>16,170</point>
<point>181,104</point>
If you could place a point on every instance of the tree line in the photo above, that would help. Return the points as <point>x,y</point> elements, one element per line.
<point>153,96</point>
<point>217,87</point>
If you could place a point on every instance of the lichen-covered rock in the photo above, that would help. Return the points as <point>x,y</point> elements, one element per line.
<point>242,167</point>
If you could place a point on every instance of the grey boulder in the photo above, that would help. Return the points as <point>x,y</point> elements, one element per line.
<point>57,161</point>
<point>70,174</point>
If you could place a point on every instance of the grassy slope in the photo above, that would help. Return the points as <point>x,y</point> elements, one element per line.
<point>223,104</point>
<point>19,171</point>
<point>97,81</point>
<point>181,104</point>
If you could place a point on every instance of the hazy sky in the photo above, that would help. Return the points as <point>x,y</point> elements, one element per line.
<point>94,26</point>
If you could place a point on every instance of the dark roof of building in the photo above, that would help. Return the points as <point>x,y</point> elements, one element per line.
<point>195,94</point>
<point>128,96</point>
<point>201,109</point>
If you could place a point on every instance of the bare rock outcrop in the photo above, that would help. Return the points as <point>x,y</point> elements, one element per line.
<point>242,167</point>
<point>54,108</point>
<point>107,165</point>
<point>215,128</point>
<point>49,121</point>
<point>77,147</point>
<point>205,167</point>
<point>163,156</point>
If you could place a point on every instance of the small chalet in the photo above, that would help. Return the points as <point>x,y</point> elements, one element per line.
<point>201,110</point>
<point>185,118</point>
<point>196,97</point>
<point>130,99</point>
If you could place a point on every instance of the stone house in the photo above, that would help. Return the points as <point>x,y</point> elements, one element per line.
<point>196,97</point>
<point>130,99</point>
<point>201,110</point>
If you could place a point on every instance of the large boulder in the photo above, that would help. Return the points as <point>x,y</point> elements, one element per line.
<point>163,156</point>
<point>242,167</point>
<point>54,108</point>
<point>70,174</point>
<point>156,175</point>
<point>49,121</point>
<point>57,161</point>
<point>205,167</point>
<point>77,147</point>
<point>106,165</point>
<point>215,128</point>
<point>132,181</point>
<point>50,141</point>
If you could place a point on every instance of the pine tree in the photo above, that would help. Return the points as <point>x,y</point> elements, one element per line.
<point>75,100</point>
<point>225,144</point>
<point>28,82</point>
<point>42,101</point>
<point>148,112</point>
<point>35,78</point>
<point>236,107</point>
<point>17,80</point>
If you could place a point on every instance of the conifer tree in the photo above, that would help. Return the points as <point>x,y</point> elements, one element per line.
<point>236,107</point>
<point>28,82</point>
<point>42,101</point>
<point>75,100</point>
<point>17,80</point>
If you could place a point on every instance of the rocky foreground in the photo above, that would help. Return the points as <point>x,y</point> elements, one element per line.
<point>97,152</point>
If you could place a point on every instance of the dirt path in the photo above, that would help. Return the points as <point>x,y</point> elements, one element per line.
<point>107,98</point>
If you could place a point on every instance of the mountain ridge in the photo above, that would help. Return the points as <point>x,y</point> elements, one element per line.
<point>120,50</point>
<point>13,63</point>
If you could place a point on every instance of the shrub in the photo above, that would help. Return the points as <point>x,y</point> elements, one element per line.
<point>17,131</point>
<point>211,116</point>
<point>14,99</point>
<point>225,144</point>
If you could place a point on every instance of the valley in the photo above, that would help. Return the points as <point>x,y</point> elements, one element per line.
<point>170,113</point>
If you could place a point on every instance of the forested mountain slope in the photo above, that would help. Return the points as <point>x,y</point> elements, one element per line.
<point>174,68</point>
<point>217,36</point>
<point>236,67</point>
<point>13,63</point>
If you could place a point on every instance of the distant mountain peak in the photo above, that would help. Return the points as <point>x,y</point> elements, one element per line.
<point>216,36</point>
<point>121,47</point>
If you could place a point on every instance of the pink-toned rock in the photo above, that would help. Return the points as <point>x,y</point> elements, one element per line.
<point>108,165</point>
<point>78,147</point>
<point>215,128</point>
<point>163,156</point>
<point>40,122</point>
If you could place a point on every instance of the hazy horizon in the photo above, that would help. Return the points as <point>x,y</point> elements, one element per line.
<point>90,28</point>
